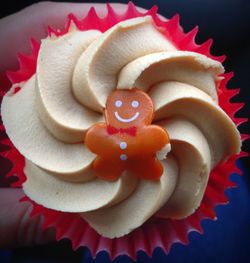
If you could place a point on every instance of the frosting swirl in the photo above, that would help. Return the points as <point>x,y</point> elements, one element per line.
<point>48,118</point>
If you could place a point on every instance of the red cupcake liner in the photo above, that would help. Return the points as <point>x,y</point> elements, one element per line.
<point>156,232</point>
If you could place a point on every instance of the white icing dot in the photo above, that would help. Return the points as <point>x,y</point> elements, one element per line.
<point>123,145</point>
<point>118,103</point>
<point>123,157</point>
<point>134,103</point>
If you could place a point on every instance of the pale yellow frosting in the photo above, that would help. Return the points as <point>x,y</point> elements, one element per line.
<point>47,119</point>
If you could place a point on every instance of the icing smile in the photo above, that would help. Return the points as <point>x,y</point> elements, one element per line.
<point>119,118</point>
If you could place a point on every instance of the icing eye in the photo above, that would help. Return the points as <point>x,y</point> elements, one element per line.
<point>118,103</point>
<point>134,103</point>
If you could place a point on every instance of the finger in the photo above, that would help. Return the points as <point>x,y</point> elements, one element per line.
<point>16,226</point>
<point>17,29</point>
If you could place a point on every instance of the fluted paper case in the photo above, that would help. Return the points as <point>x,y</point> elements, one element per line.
<point>156,232</point>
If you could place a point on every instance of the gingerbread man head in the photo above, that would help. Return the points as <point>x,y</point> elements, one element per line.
<point>128,108</point>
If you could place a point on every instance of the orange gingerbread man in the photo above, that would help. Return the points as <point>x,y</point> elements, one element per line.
<point>127,141</point>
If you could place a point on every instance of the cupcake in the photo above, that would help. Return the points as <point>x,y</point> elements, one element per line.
<point>121,131</point>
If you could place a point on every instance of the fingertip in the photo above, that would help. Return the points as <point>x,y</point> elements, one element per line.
<point>33,21</point>
<point>17,228</point>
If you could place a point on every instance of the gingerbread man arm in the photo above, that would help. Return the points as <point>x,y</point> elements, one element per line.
<point>159,137</point>
<point>99,141</point>
<point>155,137</point>
<point>151,139</point>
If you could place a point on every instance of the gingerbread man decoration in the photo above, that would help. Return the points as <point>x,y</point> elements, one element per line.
<point>127,141</point>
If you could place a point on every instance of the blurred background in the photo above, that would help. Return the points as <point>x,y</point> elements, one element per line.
<point>228,23</point>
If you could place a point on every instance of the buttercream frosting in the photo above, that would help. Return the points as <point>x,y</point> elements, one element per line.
<point>48,118</point>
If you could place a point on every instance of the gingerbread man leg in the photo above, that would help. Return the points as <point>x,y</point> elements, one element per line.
<point>108,169</point>
<point>146,168</point>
